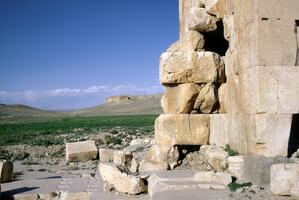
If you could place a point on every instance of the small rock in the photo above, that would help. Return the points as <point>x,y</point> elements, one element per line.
<point>136,142</point>
<point>215,156</point>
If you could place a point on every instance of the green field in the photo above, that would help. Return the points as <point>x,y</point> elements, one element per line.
<point>49,131</point>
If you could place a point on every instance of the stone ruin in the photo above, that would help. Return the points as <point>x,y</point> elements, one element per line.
<point>232,78</point>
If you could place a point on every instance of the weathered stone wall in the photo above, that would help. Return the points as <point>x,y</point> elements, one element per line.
<point>231,78</point>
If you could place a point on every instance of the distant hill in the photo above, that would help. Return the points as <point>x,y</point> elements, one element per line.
<point>117,105</point>
<point>20,110</point>
<point>126,105</point>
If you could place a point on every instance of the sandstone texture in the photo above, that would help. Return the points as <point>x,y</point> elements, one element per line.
<point>81,151</point>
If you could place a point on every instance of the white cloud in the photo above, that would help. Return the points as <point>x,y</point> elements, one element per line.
<point>65,98</point>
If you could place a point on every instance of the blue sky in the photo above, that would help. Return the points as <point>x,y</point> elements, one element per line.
<point>64,54</point>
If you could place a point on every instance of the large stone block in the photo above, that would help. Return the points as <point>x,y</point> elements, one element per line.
<point>277,89</point>
<point>276,46</point>
<point>272,134</point>
<point>81,151</point>
<point>257,168</point>
<point>284,179</point>
<point>207,99</point>
<point>6,171</point>
<point>161,185</point>
<point>278,9</point>
<point>199,20</point>
<point>191,41</point>
<point>260,134</point>
<point>182,129</point>
<point>192,67</point>
<point>180,99</point>
<point>225,128</point>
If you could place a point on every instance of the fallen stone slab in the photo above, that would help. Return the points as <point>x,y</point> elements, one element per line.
<point>81,151</point>
<point>192,194</point>
<point>75,196</point>
<point>25,197</point>
<point>6,171</point>
<point>120,177</point>
<point>185,180</point>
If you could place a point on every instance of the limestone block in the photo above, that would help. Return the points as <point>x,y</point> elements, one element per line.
<point>137,141</point>
<point>199,20</point>
<point>106,155</point>
<point>216,7</point>
<point>276,46</point>
<point>257,168</point>
<point>236,166</point>
<point>272,134</point>
<point>75,196</point>
<point>185,181</point>
<point>119,176</point>
<point>225,128</point>
<point>192,67</point>
<point>283,177</point>
<point>48,196</point>
<point>207,99</point>
<point>182,129</point>
<point>277,9</point>
<point>261,134</point>
<point>218,180</point>
<point>25,197</point>
<point>161,156</point>
<point>81,151</point>
<point>191,41</point>
<point>6,171</point>
<point>147,165</point>
<point>179,99</point>
<point>122,157</point>
<point>294,191</point>
<point>278,89</point>
<point>215,156</point>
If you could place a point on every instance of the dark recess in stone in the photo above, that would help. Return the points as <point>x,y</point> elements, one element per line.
<point>215,41</point>
<point>294,135</point>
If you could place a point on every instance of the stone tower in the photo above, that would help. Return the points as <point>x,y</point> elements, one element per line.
<point>231,78</point>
